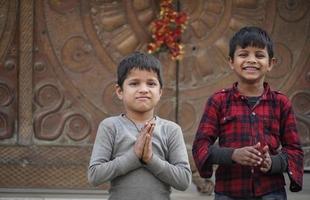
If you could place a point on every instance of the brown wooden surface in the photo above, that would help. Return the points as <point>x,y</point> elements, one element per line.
<point>57,72</point>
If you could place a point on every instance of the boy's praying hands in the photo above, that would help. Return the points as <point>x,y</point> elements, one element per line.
<point>143,145</point>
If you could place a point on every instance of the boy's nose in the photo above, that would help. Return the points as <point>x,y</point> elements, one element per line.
<point>143,88</point>
<point>251,59</point>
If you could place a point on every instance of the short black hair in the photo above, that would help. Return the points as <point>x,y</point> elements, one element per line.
<point>138,60</point>
<point>251,36</point>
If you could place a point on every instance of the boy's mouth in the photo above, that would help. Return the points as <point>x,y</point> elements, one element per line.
<point>143,97</point>
<point>250,68</point>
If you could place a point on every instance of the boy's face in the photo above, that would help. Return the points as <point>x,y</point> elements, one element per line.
<point>251,64</point>
<point>140,92</point>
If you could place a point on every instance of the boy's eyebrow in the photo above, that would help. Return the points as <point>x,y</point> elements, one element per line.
<point>261,50</point>
<point>258,50</point>
<point>132,78</point>
<point>137,79</point>
<point>241,50</point>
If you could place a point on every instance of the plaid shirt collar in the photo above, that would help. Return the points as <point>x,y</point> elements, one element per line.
<point>265,96</point>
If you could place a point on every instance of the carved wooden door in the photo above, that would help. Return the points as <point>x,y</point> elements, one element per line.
<point>58,61</point>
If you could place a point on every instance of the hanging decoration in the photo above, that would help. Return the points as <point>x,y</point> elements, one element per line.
<point>167,30</point>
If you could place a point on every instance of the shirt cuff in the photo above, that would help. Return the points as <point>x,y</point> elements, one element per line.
<point>279,163</point>
<point>221,155</point>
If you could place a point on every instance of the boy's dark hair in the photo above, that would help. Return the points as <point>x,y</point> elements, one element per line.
<point>138,60</point>
<point>251,36</point>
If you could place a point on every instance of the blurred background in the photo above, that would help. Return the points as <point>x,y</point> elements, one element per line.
<point>58,61</point>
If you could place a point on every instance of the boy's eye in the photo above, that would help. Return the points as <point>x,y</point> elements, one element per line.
<point>242,54</point>
<point>133,83</point>
<point>260,55</point>
<point>152,83</point>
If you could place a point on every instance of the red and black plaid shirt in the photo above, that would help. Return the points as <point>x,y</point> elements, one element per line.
<point>271,121</point>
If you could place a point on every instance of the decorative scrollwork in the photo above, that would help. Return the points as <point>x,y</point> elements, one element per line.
<point>301,102</point>
<point>47,118</point>
<point>6,126</point>
<point>78,127</point>
<point>284,62</point>
<point>47,95</point>
<point>293,10</point>
<point>77,54</point>
<point>112,104</point>
<point>63,7</point>
<point>6,95</point>
<point>51,121</point>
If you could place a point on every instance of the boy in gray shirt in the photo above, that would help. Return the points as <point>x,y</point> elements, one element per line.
<point>141,154</point>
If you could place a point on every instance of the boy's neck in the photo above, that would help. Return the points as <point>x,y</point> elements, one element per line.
<point>251,90</point>
<point>140,117</point>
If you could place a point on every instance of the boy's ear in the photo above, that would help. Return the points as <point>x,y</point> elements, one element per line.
<point>119,91</point>
<point>231,62</point>
<point>273,62</point>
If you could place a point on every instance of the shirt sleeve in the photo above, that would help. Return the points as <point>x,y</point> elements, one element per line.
<point>291,146</point>
<point>279,163</point>
<point>101,167</point>
<point>220,155</point>
<point>174,171</point>
<point>206,135</point>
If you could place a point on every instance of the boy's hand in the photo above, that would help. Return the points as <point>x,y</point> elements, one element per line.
<point>266,164</point>
<point>140,142</point>
<point>248,156</point>
<point>147,150</point>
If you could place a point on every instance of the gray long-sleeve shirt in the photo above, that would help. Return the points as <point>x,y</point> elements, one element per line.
<point>113,159</point>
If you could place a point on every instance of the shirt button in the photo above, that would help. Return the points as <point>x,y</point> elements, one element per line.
<point>253,113</point>
<point>291,173</point>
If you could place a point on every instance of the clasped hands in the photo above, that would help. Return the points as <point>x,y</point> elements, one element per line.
<point>254,156</point>
<point>143,145</point>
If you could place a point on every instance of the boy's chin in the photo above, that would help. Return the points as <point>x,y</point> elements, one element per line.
<point>144,110</point>
<point>252,80</point>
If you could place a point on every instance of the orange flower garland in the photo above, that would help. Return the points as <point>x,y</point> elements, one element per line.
<point>167,30</point>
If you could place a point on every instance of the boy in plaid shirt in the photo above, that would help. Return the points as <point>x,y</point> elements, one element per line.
<point>256,128</point>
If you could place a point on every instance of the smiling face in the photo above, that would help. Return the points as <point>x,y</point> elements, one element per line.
<point>140,93</point>
<point>251,64</point>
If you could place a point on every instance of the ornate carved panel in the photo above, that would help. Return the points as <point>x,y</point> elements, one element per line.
<point>8,71</point>
<point>75,49</point>
<point>64,78</point>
